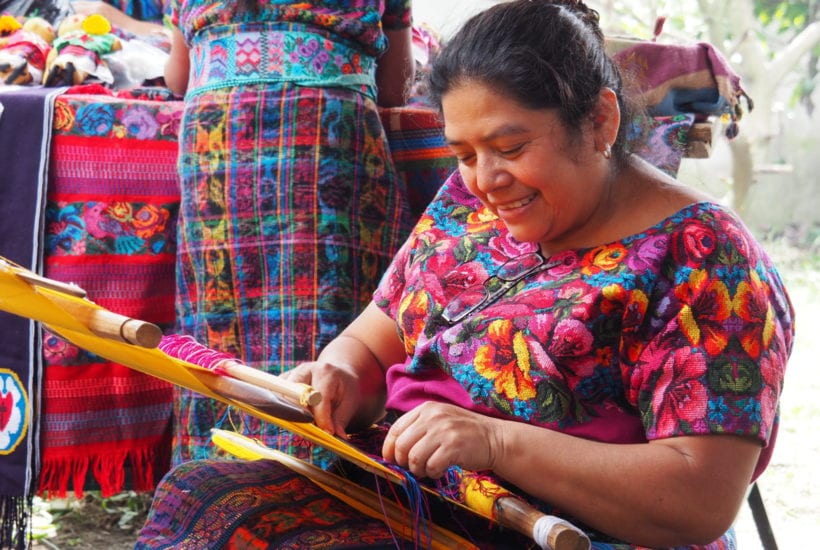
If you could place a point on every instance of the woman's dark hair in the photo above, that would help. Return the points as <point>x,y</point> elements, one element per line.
<point>544,54</point>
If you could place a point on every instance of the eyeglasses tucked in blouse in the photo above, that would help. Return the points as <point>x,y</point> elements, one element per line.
<point>478,297</point>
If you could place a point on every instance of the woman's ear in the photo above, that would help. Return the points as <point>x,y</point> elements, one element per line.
<point>606,119</point>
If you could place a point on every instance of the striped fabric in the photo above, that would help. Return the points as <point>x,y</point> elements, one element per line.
<point>110,215</point>
<point>291,209</point>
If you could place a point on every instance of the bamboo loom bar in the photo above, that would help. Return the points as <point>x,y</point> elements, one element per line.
<point>301,393</point>
<point>263,399</point>
<point>102,322</point>
<point>107,324</point>
<point>549,532</point>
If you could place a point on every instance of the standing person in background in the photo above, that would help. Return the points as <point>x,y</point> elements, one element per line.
<point>140,17</point>
<point>291,206</point>
<point>565,319</point>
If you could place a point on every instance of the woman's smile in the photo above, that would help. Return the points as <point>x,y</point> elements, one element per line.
<point>515,204</point>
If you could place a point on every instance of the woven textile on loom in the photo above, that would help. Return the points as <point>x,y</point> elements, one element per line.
<point>25,125</point>
<point>117,244</point>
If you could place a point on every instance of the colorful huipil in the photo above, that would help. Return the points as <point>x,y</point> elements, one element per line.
<point>291,205</point>
<point>682,329</point>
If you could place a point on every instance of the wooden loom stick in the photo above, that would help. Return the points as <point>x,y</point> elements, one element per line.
<point>255,396</point>
<point>183,346</point>
<point>72,299</point>
<point>38,280</point>
<point>105,323</point>
<point>302,393</point>
<point>364,500</point>
<point>549,532</point>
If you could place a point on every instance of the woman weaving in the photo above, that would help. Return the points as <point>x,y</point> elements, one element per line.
<point>564,317</point>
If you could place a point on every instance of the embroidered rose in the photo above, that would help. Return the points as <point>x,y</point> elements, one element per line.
<point>604,258</point>
<point>140,123</point>
<point>150,220</point>
<point>680,399</point>
<point>694,243</point>
<point>63,117</point>
<point>121,211</point>
<point>96,119</point>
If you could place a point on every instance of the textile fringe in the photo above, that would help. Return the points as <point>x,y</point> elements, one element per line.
<point>108,470</point>
<point>15,528</point>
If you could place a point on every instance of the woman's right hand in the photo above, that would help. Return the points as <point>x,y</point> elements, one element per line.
<point>350,373</point>
<point>340,391</point>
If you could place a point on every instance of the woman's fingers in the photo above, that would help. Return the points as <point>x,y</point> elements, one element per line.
<point>339,394</point>
<point>434,436</point>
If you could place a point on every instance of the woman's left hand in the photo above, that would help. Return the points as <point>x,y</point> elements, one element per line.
<point>434,436</point>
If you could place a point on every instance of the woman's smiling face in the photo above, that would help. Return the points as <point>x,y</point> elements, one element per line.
<point>547,185</point>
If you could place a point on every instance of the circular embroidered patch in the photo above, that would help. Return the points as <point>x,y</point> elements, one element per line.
<point>13,411</point>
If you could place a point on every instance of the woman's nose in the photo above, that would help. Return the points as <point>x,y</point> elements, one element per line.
<point>490,174</point>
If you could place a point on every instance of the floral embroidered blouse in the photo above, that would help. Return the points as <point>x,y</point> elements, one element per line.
<point>682,329</point>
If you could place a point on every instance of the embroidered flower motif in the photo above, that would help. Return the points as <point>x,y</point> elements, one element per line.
<point>96,119</point>
<point>63,117</point>
<point>506,360</point>
<point>140,123</point>
<point>150,220</point>
<point>706,305</point>
<point>121,211</point>
<point>752,305</point>
<point>680,398</point>
<point>604,258</point>
<point>695,242</point>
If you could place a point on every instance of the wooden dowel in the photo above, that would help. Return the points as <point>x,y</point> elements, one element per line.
<point>524,518</point>
<point>301,393</point>
<point>33,279</point>
<point>108,324</point>
<point>263,399</point>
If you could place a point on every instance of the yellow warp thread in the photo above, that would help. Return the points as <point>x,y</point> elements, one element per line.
<point>361,499</point>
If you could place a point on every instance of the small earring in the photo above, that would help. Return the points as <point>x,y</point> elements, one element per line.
<point>607,152</point>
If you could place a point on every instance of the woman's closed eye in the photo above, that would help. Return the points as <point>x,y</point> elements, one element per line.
<point>512,151</point>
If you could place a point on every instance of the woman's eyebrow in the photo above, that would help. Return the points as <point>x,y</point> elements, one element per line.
<point>504,130</point>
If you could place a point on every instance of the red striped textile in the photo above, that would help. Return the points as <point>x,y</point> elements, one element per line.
<point>110,227</point>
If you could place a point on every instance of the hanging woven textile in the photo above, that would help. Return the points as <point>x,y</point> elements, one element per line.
<point>25,126</point>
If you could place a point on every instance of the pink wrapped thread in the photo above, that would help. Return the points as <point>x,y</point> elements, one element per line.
<point>186,348</point>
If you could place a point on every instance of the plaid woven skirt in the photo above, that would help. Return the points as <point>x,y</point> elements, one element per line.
<point>291,209</point>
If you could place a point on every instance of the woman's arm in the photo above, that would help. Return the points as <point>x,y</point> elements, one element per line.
<point>177,65</point>
<point>396,69</point>
<point>665,493</point>
<point>350,372</point>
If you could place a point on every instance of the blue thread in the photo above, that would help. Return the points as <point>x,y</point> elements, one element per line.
<point>225,416</point>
